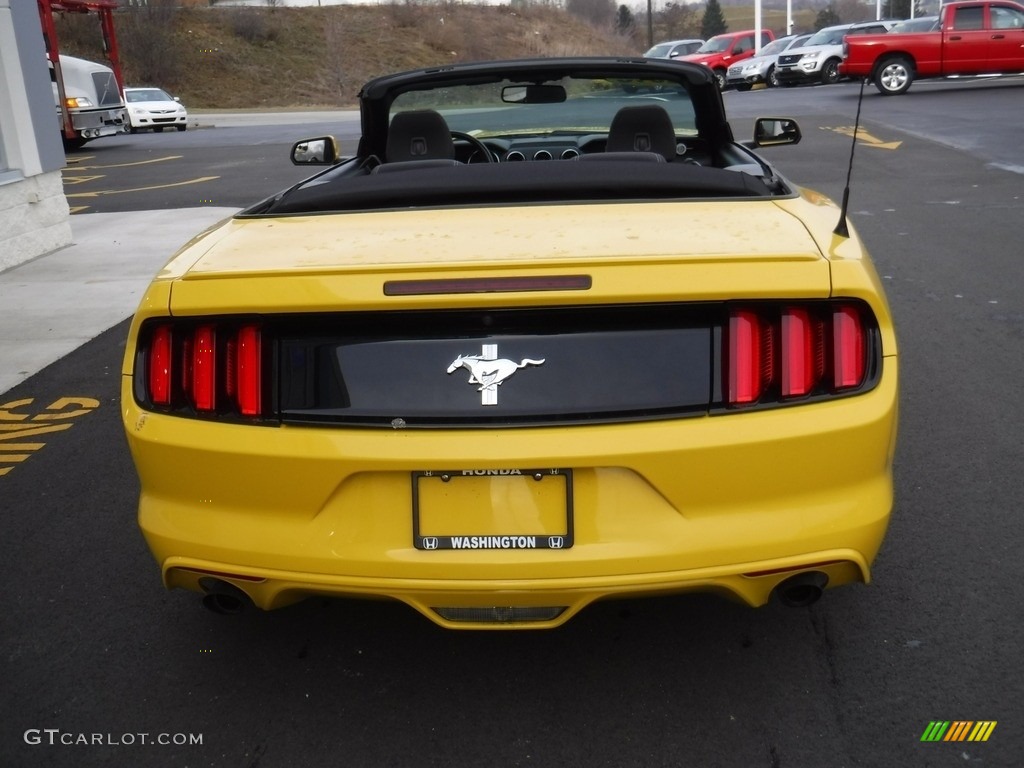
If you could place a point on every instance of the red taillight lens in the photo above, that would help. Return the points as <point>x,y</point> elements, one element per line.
<point>803,352</point>
<point>208,367</point>
<point>750,359</point>
<point>246,374</point>
<point>775,353</point>
<point>159,373</point>
<point>204,368</point>
<point>848,347</point>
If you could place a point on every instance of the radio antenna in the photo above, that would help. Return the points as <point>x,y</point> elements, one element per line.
<point>842,229</point>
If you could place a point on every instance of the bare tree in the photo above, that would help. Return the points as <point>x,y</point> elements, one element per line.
<point>678,20</point>
<point>146,35</point>
<point>599,13</point>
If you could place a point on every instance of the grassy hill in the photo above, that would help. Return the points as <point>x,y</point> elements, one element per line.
<point>238,58</point>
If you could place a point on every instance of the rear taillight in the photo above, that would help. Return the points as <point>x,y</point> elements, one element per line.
<point>803,358</point>
<point>774,353</point>
<point>245,370</point>
<point>848,347</point>
<point>203,364</point>
<point>158,375</point>
<point>750,359</point>
<point>209,368</point>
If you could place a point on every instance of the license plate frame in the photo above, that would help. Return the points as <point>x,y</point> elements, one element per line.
<point>498,541</point>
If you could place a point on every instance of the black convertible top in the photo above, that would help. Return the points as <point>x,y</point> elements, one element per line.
<point>516,183</point>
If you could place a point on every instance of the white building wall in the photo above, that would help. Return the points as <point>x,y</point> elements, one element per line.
<point>34,216</point>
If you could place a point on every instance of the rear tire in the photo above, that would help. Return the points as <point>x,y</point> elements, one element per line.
<point>894,75</point>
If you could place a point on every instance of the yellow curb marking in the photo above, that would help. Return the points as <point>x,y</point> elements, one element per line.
<point>200,180</point>
<point>865,137</point>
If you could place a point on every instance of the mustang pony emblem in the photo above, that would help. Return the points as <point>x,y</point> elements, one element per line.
<point>489,371</point>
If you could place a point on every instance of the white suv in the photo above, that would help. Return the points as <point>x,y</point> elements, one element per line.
<point>817,61</point>
<point>744,75</point>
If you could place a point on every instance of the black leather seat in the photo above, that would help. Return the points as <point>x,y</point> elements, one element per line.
<point>642,128</point>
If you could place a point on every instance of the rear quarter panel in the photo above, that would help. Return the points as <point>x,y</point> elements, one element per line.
<point>864,52</point>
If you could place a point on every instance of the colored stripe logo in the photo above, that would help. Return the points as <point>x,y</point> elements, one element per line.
<point>958,730</point>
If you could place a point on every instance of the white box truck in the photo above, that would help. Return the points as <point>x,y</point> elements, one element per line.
<point>92,102</point>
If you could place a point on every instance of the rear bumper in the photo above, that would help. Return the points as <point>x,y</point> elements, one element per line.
<point>701,504</point>
<point>855,71</point>
<point>517,604</point>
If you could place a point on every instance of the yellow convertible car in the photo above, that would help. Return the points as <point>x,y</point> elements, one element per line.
<point>550,335</point>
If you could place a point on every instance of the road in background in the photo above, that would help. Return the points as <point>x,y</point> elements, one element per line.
<point>93,645</point>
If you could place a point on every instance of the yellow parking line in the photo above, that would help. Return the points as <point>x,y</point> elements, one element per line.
<point>865,138</point>
<point>124,165</point>
<point>82,179</point>
<point>141,189</point>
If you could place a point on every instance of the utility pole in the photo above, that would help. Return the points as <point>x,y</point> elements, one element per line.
<point>650,26</point>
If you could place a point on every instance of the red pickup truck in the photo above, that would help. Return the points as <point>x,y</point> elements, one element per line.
<point>979,37</point>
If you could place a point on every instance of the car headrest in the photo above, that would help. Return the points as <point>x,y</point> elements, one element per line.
<point>419,135</point>
<point>642,128</point>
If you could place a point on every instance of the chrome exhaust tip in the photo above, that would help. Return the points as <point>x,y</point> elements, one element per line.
<point>801,590</point>
<point>222,597</point>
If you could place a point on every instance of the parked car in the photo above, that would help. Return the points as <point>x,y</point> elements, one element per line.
<point>154,109</point>
<point>817,61</point>
<point>630,358</point>
<point>722,51</point>
<point>980,38</point>
<point>919,24</point>
<point>761,68</point>
<point>673,48</point>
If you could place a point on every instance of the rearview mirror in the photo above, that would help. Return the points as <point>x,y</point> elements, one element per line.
<point>775,131</point>
<point>322,150</point>
<point>533,94</point>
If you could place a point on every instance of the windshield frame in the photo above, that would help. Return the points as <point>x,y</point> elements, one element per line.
<point>589,105</point>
